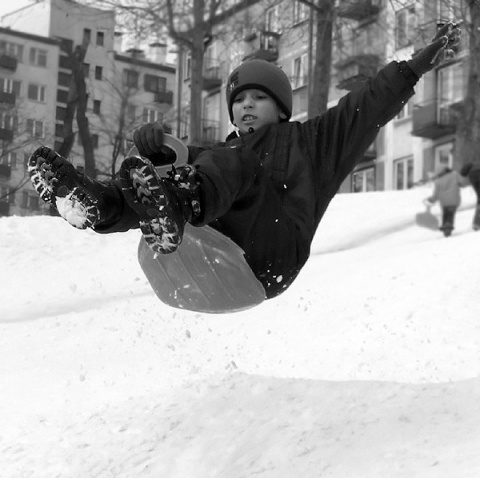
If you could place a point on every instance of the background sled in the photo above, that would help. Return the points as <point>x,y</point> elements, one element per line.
<point>427,219</point>
<point>207,273</point>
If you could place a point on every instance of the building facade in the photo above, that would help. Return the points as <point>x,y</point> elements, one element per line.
<point>125,89</point>
<point>368,34</point>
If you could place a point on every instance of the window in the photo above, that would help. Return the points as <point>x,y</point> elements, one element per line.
<point>131,113</point>
<point>403,173</point>
<point>64,79</point>
<point>9,159</point>
<point>271,20</point>
<point>450,90</point>
<point>98,72</point>
<point>62,96</point>
<point>86,70</point>
<point>35,128</point>
<point>87,35</point>
<point>8,121</point>
<point>130,78</point>
<point>406,111</point>
<point>300,12</point>
<point>100,38</point>
<point>95,140</point>
<point>155,84</point>
<point>96,106</point>
<point>59,130</point>
<point>8,85</point>
<point>187,67</point>
<point>38,57</point>
<point>151,115</point>
<point>363,181</point>
<point>36,92</point>
<point>12,49</point>
<point>300,69</point>
<point>405,25</point>
<point>61,112</point>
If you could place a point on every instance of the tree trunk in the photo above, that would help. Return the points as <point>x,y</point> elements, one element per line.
<point>467,141</point>
<point>322,64</point>
<point>199,33</point>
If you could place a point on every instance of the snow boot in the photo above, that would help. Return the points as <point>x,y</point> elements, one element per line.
<point>80,200</point>
<point>164,205</point>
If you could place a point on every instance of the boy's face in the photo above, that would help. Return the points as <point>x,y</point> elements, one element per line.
<point>253,109</point>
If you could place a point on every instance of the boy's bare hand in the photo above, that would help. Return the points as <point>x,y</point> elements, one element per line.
<point>444,46</point>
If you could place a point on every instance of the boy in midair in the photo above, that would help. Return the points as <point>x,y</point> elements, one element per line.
<point>266,188</point>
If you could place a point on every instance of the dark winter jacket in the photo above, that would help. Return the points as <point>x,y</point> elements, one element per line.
<point>306,163</point>
<point>269,189</point>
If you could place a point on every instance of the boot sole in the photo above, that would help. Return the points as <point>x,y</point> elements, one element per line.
<point>72,202</point>
<point>146,194</point>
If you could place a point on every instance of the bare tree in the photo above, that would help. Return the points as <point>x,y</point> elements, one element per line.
<point>323,11</point>
<point>190,24</point>
<point>77,105</point>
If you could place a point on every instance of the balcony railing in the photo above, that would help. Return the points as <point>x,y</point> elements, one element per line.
<point>211,130</point>
<point>212,77</point>
<point>262,45</point>
<point>433,120</point>
<point>358,9</point>
<point>7,98</point>
<point>5,171</point>
<point>4,208</point>
<point>6,134</point>
<point>355,70</point>
<point>8,62</point>
<point>163,97</point>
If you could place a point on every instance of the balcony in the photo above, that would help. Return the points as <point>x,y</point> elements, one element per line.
<point>211,130</point>
<point>163,97</point>
<point>8,62</point>
<point>432,120</point>
<point>6,134</point>
<point>358,10</point>
<point>355,70</point>
<point>4,208</point>
<point>5,171</point>
<point>212,78</point>
<point>262,46</point>
<point>7,98</point>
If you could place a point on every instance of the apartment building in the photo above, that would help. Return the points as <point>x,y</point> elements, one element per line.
<point>125,89</point>
<point>368,35</point>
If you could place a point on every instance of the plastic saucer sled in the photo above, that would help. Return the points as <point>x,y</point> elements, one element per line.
<point>207,273</point>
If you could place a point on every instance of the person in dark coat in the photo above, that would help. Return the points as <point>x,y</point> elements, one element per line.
<point>266,188</point>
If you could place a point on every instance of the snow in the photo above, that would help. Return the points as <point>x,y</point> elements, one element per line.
<point>368,366</point>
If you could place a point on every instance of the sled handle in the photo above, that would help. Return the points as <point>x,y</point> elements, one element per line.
<point>178,147</point>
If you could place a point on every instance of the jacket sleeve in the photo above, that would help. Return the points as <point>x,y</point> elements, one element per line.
<point>339,138</point>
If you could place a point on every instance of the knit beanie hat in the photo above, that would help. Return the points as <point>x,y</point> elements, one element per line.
<point>262,75</point>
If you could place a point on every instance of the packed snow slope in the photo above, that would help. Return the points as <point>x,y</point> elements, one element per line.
<point>368,366</point>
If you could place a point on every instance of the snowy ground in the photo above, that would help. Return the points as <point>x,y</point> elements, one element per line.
<point>368,366</point>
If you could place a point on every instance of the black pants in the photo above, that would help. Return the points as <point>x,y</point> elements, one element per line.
<point>448,219</point>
